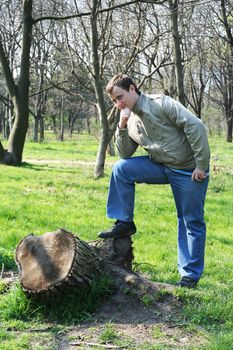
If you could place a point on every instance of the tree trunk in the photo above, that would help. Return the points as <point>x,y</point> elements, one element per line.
<point>18,133</point>
<point>36,129</point>
<point>9,117</point>
<point>173,5</point>
<point>101,156</point>
<point>228,88</point>
<point>62,126</point>
<point>54,124</point>
<point>62,120</point>
<point>105,137</point>
<point>88,125</point>
<point>2,151</point>
<point>42,127</point>
<point>6,126</point>
<point>229,129</point>
<point>19,93</point>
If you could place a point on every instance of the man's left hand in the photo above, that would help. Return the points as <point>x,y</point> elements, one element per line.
<point>198,175</point>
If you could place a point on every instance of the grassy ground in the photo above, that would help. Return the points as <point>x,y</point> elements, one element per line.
<point>43,197</point>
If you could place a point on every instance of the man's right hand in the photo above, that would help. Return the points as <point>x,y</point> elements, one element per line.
<point>198,175</point>
<point>124,117</point>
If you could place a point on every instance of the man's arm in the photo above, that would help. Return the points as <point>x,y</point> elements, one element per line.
<point>126,146</point>
<point>195,132</point>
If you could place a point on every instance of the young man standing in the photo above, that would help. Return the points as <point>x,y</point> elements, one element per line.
<point>178,154</point>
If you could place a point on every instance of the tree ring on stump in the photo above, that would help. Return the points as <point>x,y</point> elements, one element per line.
<point>54,260</point>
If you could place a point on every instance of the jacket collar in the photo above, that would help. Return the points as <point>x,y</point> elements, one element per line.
<point>138,105</point>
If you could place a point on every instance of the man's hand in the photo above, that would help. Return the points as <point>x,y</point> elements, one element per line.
<point>198,175</point>
<point>124,117</point>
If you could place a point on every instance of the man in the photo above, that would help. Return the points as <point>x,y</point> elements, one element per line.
<point>178,154</point>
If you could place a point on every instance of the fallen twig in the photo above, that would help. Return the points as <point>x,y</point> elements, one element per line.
<point>106,346</point>
<point>35,330</point>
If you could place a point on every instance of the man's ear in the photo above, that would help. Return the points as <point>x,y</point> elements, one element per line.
<point>132,88</point>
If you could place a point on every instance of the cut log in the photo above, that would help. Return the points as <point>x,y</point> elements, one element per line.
<point>49,263</point>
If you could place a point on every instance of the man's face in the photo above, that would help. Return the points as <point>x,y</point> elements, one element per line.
<point>123,98</point>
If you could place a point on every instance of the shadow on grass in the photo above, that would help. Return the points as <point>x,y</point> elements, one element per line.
<point>37,167</point>
<point>223,240</point>
<point>48,167</point>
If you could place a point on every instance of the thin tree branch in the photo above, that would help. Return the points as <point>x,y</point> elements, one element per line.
<point>49,88</point>
<point>73,94</point>
<point>83,13</point>
<point>149,75</point>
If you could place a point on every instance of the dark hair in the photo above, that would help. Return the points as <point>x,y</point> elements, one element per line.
<point>123,81</point>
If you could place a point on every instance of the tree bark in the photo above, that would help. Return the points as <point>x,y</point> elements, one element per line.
<point>105,137</point>
<point>40,109</point>
<point>101,156</point>
<point>173,6</point>
<point>62,125</point>
<point>36,128</point>
<point>229,84</point>
<point>19,93</point>
<point>229,129</point>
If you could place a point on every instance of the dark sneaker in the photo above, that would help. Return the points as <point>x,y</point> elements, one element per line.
<point>119,229</point>
<point>186,282</point>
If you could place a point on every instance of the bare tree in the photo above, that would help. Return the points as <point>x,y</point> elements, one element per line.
<point>196,49</point>
<point>19,92</point>
<point>10,29</point>
<point>226,20</point>
<point>174,11</point>
<point>221,60</point>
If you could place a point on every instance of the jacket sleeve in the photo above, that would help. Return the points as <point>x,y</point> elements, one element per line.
<point>126,146</point>
<point>193,127</point>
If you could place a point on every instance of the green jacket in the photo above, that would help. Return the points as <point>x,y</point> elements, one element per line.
<point>169,133</point>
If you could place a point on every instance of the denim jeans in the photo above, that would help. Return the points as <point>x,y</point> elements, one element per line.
<point>189,198</point>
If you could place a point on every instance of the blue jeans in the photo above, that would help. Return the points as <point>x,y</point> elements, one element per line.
<point>189,199</point>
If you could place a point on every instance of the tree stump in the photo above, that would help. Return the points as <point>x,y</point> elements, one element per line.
<point>118,251</point>
<point>56,260</point>
<point>51,263</point>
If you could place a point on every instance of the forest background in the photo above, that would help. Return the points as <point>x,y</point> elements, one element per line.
<point>56,58</point>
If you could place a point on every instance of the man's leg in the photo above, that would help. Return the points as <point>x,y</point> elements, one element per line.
<point>189,198</point>
<point>127,172</point>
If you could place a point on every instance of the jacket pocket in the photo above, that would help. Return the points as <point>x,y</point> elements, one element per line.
<point>177,149</point>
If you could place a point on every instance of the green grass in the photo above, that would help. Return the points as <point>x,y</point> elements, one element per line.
<point>40,198</point>
<point>73,307</point>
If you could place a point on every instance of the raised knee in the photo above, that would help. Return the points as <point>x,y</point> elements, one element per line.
<point>120,166</point>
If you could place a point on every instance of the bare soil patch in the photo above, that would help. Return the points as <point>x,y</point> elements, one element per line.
<point>62,161</point>
<point>134,326</point>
